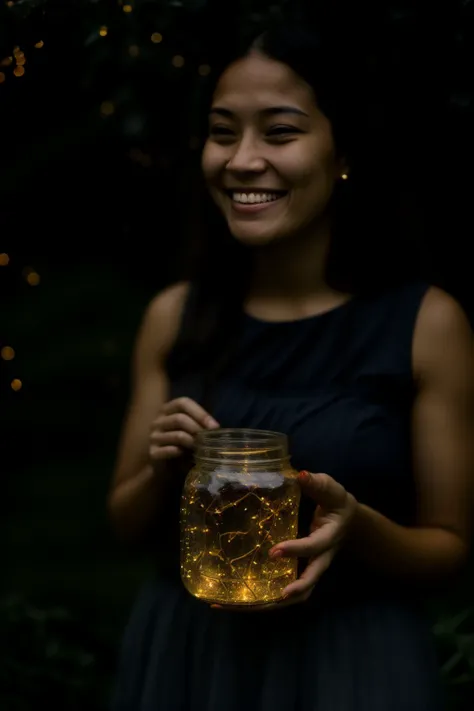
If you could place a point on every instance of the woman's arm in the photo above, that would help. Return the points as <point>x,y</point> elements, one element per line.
<point>136,491</point>
<point>443,432</point>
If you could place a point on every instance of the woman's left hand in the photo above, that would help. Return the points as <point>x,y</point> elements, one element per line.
<point>333,514</point>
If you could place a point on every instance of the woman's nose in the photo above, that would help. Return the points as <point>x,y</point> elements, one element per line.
<point>246,158</point>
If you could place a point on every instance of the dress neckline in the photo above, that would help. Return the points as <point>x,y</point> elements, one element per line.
<point>304,319</point>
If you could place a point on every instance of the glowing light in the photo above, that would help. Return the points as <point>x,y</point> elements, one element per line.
<point>33,279</point>
<point>6,62</point>
<point>39,44</point>
<point>156,38</point>
<point>16,384</point>
<point>7,353</point>
<point>178,61</point>
<point>103,31</point>
<point>31,276</point>
<point>2,77</point>
<point>107,108</point>
<point>127,8</point>
<point>19,71</point>
<point>4,259</point>
<point>226,538</point>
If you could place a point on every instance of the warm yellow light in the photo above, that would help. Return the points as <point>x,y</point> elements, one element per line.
<point>2,77</point>
<point>19,71</point>
<point>33,279</point>
<point>127,8</point>
<point>103,31</point>
<point>156,38</point>
<point>344,176</point>
<point>16,384</point>
<point>6,62</point>
<point>20,60</point>
<point>4,259</point>
<point>225,554</point>
<point>107,108</point>
<point>7,353</point>
<point>39,44</point>
<point>204,70</point>
<point>178,61</point>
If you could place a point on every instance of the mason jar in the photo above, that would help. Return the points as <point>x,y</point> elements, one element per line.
<point>239,500</point>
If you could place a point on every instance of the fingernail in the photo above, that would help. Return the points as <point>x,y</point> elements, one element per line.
<point>278,553</point>
<point>303,476</point>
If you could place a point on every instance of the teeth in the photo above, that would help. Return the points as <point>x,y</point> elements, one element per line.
<point>254,198</point>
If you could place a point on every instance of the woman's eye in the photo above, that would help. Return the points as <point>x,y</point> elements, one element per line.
<point>273,132</point>
<point>220,131</point>
<point>282,130</point>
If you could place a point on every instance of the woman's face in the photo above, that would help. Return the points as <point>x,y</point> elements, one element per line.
<point>269,160</point>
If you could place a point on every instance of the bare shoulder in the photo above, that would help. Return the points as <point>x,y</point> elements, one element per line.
<point>168,304</point>
<point>162,318</point>
<point>441,318</point>
<point>443,337</point>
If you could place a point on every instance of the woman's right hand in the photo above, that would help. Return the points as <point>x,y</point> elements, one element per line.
<point>174,430</point>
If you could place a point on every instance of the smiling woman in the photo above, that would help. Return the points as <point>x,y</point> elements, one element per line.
<point>268,136</point>
<point>374,389</point>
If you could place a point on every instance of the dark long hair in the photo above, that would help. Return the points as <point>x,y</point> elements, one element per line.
<point>367,229</point>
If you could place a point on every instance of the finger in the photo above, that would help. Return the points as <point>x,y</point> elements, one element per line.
<point>159,453</point>
<point>315,544</point>
<point>323,489</point>
<point>191,408</point>
<point>177,439</point>
<point>178,421</point>
<point>310,575</point>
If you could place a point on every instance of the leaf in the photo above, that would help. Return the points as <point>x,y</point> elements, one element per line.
<point>448,625</point>
<point>451,663</point>
<point>465,644</point>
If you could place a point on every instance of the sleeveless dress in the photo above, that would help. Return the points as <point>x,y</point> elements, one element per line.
<point>340,385</point>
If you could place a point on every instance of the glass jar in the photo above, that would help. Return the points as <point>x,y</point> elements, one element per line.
<point>239,500</point>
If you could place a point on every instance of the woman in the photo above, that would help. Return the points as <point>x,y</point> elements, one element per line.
<point>374,388</point>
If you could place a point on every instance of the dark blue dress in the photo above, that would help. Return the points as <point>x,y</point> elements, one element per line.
<point>340,385</point>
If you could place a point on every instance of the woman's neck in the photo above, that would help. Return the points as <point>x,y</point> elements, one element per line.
<point>289,278</point>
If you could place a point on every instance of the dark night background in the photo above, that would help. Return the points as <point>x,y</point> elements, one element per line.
<point>97,102</point>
